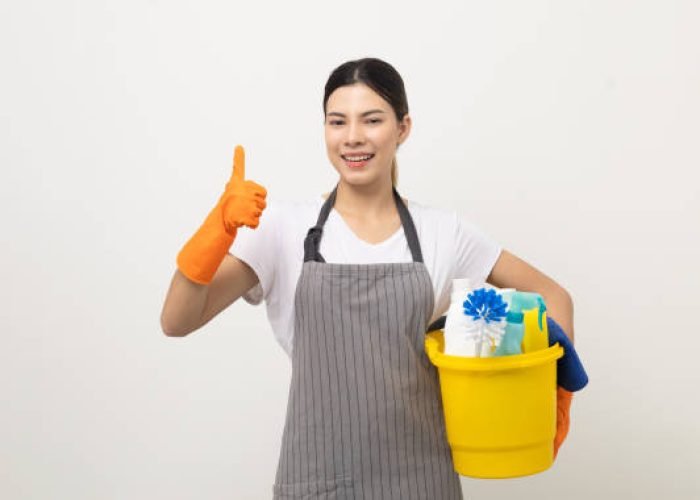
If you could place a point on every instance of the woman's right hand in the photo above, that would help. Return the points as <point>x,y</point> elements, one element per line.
<point>241,204</point>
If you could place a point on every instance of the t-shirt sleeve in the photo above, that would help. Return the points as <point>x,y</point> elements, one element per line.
<point>257,248</point>
<point>475,252</point>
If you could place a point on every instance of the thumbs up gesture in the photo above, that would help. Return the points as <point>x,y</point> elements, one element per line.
<point>243,201</point>
<point>241,204</point>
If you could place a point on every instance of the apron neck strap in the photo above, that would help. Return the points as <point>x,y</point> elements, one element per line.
<point>313,237</point>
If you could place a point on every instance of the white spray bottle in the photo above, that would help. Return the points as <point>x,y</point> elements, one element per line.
<point>457,343</point>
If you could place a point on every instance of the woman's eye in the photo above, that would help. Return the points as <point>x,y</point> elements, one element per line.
<point>375,120</point>
<point>336,122</point>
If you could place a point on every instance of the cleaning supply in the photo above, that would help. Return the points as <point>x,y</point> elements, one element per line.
<point>525,329</point>
<point>511,343</point>
<point>476,321</point>
<point>529,310</point>
<point>241,203</point>
<point>485,310</point>
<point>496,383</point>
<point>457,343</point>
<point>535,334</point>
<point>570,372</point>
<point>522,301</point>
<point>500,412</point>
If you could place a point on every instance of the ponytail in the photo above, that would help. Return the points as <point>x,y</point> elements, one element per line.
<point>394,173</point>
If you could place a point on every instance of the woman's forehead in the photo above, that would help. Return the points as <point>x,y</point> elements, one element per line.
<point>355,99</point>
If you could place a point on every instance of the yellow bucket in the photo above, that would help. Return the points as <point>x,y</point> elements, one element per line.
<point>500,412</point>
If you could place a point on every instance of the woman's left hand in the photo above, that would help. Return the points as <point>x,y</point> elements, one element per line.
<point>563,407</point>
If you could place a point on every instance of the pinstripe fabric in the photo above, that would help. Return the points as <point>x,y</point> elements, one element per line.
<point>364,416</point>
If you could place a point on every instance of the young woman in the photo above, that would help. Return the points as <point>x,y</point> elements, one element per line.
<point>351,280</point>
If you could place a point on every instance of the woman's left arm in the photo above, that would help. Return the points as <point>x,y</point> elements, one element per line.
<point>513,272</point>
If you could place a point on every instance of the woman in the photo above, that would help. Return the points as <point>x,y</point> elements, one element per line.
<point>351,281</point>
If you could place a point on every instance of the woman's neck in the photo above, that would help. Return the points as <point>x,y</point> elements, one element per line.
<point>370,201</point>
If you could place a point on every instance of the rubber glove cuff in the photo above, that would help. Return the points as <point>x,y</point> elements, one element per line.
<point>203,253</point>
<point>564,398</point>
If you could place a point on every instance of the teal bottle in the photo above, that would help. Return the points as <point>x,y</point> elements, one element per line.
<point>512,340</point>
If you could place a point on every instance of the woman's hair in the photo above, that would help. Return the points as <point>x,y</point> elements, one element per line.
<point>378,75</point>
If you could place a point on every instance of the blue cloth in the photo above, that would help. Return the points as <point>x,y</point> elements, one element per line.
<point>570,372</point>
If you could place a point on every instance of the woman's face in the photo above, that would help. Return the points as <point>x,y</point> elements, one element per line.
<point>362,134</point>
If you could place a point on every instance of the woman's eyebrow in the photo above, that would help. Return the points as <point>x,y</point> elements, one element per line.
<point>336,113</point>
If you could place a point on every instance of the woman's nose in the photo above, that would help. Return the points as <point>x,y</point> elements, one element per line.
<point>355,134</point>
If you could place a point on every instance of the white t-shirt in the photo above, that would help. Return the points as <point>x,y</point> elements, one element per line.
<point>451,247</point>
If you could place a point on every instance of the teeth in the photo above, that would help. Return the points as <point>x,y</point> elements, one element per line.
<point>358,158</point>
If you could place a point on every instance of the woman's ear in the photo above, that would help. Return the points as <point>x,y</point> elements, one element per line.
<point>404,128</point>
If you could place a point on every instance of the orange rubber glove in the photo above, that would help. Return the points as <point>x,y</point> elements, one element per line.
<point>242,203</point>
<point>563,407</point>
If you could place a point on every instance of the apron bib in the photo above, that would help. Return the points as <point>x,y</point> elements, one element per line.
<point>364,415</point>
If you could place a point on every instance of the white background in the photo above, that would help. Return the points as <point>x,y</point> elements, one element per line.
<point>568,131</point>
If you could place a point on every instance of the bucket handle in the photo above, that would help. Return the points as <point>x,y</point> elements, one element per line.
<point>438,324</point>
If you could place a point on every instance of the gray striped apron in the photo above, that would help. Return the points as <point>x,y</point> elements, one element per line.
<point>364,415</point>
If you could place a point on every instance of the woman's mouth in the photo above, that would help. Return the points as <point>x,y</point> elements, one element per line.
<point>357,160</point>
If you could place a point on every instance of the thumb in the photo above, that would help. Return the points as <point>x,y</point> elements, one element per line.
<point>238,164</point>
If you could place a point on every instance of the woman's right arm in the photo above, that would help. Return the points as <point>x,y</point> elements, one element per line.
<point>189,306</point>
<point>208,278</point>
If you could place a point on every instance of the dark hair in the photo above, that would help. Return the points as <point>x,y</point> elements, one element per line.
<point>378,75</point>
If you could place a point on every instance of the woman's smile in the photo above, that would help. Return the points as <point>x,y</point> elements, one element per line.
<point>357,160</point>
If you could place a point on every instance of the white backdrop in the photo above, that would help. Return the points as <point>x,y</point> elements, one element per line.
<point>568,131</point>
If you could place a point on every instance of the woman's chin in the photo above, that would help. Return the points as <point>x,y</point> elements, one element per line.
<point>357,177</point>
